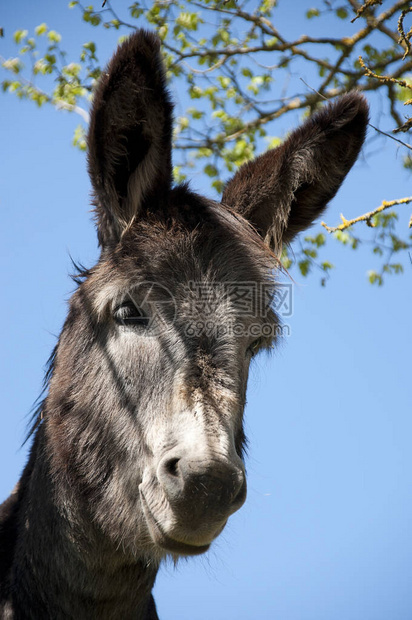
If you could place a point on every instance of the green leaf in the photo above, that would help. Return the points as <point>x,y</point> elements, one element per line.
<point>218,185</point>
<point>41,29</point>
<point>79,138</point>
<point>375,278</point>
<point>342,236</point>
<point>247,72</point>
<point>54,36</point>
<point>224,81</point>
<point>135,10</point>
<point>273,142</point>
<point>19,35</point>
<point>286,262</point>
<point>304,267</point>
<point>51,59</point>
<point>204,152</point>
<point>163,31</point>
<point>187,20</point>
<point>310,253</point>
<point>195,92</point>
<point>230,4</point>
<point>326,265</point>
<point>266,7</point>
<point>183,122</point>
<point>319,240</point>
<point>195,113</point>
<point>72,70</point>
<point>13,64</point>
<point>312,13</point>
<point>90,46</point>
<point>210,170</point>
<point>92,18</point>
<point>40,67</point>
<point>342,13</point>
<point>178,176</point>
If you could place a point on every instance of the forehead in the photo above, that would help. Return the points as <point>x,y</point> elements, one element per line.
<point>206,247</point>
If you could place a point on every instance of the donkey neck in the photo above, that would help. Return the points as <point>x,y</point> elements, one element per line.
<point>62,558</point>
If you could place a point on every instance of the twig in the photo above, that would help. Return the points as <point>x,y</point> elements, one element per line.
<point>384,78</point>
<point>368,4</point>
<point>59,104</point>
<point>407,125</point>
<point>404,37</point>
<point>313,89</point>
<point>386,204</point>
<point>409,146</point>
<point>388,135</point>
<point>390,80</point>
<point>392,98</point>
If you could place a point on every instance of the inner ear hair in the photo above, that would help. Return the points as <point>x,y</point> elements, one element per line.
<point>284,190</point>
<point>130,135</point>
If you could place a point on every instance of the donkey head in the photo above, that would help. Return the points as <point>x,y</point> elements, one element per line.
<point>148,392</point>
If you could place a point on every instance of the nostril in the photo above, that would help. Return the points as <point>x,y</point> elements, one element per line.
<point>171,467</point>
<point>240,494</point>
<point>171,477</point>
<point>211,484</point>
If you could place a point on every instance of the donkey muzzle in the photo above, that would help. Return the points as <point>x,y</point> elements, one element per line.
<point>208,489</point>
<point>188,504</point>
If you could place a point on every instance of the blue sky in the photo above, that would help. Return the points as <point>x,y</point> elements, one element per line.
<point>325,533</point>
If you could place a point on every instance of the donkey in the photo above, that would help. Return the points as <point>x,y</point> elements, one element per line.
<point>138,446</point>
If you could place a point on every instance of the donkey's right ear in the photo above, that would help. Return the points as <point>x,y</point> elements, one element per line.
<point>284,190</point>
<point>130,136</point>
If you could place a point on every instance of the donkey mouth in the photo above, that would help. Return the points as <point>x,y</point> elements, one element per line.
<point>167,542</point>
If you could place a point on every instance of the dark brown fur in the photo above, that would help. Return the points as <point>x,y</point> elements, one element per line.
<point>137,451</point>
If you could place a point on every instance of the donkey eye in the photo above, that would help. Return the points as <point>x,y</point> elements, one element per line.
<point>254,347</point>
<point>128,314</point>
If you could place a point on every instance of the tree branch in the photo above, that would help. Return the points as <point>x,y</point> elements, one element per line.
<point>404,38</point>
<point>368,4</point>
<point>367,217</point>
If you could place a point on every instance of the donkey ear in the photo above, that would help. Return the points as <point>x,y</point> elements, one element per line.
<point>130,135</point>
<point>284,190</point>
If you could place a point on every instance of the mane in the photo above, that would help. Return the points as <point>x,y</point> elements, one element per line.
<point>36,412</point>
<point>81,272</point>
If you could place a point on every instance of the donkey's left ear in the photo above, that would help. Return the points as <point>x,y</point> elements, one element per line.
<point>130,136</point>
<point>284,190</point>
